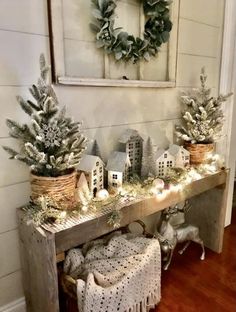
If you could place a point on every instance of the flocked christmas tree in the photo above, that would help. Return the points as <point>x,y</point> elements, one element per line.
<point>51,144</point>
<point>203,116</point>
<point>96,150</point>
<point>148,161</point>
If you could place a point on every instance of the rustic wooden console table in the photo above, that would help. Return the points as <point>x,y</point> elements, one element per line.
<point>40,247</point>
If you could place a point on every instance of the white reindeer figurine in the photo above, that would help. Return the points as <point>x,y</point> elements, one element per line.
<point>170,235</point>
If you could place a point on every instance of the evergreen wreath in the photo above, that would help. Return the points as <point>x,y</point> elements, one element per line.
<point>124,46</point>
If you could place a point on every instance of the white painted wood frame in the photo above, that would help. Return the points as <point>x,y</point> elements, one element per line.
<point>58,55</point>
<point>228,84</point>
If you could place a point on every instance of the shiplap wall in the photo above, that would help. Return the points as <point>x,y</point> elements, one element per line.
<point>106,112</point>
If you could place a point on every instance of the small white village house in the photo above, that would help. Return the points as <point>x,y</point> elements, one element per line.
<point>174,156</point>
<point>133,145</point>
<point>181,155</point>
<point>117,166</point>
<point>164,160</point>
<point>93,168</point>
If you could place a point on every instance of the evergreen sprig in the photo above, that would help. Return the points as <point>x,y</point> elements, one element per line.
<point>202,116</point>
<point>52,143</point>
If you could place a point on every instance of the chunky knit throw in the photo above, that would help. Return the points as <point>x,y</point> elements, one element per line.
<point>118,273</point>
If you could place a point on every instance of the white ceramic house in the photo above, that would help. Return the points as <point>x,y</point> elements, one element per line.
<point>181,155</point>
<point>164,160</point>
<point>93,168</point>
<point>117,167</point>
<point>174,156</point>
<point>132,144</point>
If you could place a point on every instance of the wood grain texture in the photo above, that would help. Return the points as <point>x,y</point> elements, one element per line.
<point>38,258</point>
<point>208,213</point>
<point>115,83</point>
<point>86,231</point>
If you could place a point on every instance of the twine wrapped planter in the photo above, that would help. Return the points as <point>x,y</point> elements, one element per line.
<point>61,189</point>
<point>199,153</point>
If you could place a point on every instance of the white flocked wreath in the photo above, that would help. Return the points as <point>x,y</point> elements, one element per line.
<point>123,45</point>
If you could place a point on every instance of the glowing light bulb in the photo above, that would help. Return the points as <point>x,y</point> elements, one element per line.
<point>63,214</point>
<point>84,208</point>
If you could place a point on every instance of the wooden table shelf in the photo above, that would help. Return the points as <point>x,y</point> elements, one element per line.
<point>40,247</point>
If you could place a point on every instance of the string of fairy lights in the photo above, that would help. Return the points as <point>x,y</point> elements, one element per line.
<point>45,210</point>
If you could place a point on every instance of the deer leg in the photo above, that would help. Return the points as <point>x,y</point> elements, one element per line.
<point>181,251</point>
<point>199,241</point>
<point>166,266</point>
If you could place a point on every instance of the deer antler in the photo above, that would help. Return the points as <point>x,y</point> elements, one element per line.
<point>187,206</point>
<point>172,210</point>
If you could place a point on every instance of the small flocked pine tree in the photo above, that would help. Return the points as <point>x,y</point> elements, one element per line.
<point>96,150</point>
<point>148,161</point>
<point>51,144</point>
<point>203,116</point>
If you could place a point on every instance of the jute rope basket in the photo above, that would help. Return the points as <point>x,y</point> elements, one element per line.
<point>199,153</point>
<point>60,189</point>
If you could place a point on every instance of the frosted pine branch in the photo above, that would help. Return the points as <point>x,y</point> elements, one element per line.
<point>202,116</point>
<point>51,143</point>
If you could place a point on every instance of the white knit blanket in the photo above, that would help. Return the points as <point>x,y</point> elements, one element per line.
<point>120,273</point>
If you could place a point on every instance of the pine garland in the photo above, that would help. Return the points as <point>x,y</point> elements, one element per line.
<point>52,144</point>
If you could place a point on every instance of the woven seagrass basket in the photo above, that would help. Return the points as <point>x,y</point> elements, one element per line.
<point>199,153</point>
<point>60,189</point>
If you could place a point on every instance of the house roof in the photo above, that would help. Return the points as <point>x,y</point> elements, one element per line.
<point>128,134</point>
<point>159,153</point>
<point>174,149</point>
<point>117,161</point>
<point>88,162</point>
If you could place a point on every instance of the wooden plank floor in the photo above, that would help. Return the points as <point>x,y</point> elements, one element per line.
<point>192,285</point>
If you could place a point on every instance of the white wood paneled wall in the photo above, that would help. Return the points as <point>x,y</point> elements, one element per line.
<point>24,34</point>
<point>106,112</point>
